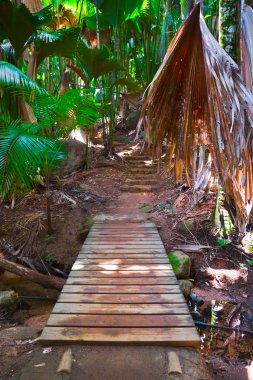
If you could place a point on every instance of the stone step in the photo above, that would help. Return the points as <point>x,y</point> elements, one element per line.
<point>141,166</point>
<point>138,188</point>
<point>146,170</point>
<point>143,181</point>
<point>137,158</point>
<point>149,175</point>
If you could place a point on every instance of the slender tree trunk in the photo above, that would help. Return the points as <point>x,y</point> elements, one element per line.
<point>229,27</point>
<point>48,205</point>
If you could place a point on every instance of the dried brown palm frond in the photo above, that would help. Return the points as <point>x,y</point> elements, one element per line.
<point>198,99</point>
<point>33,5</point>
<point>247,46</point>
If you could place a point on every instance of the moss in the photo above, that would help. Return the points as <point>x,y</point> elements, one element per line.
<point>175,262</point>
<point>180,263</point>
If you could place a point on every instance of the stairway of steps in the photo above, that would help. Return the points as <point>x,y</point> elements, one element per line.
<point>141,174</point>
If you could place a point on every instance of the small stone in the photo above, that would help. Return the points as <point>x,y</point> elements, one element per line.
<point>181,264</point>
<point>185,226</point>
<point>186,287</point>
<point>8,301</point>
<point>147,207</point>
<point>132,120</point>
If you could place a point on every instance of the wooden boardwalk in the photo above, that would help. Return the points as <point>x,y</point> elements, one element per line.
<point>121,289</point>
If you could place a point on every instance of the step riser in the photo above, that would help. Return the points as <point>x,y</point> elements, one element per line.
<point>138,189</point>
<point>141,166</point>
<point>149,172</point>
<point>142,183</point>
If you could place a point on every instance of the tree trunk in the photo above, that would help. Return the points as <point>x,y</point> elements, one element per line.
<point>229,27</point>
<point>38,278</point>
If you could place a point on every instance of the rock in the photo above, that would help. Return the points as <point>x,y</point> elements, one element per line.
<point>185,226</point>
<point>19,333</point>
<point>132,120</point>
<point>147,207</point>
<point>38,321</point>
<point>247,242</point>
<point>102,162</point>
<point>186,287</point>
<point>181,264</point>
<point>8,301</point>
<point>75,160</point>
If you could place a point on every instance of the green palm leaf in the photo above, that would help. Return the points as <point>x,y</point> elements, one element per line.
<point>118,11</point>
<point>12,77</point>
<point>23,154</point>
<point>70,110</point>
<point>61,42</point>
<point>96,62</point>
<point>18,23</point>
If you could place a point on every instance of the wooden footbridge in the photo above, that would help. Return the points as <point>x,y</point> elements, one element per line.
<point>121,289</point>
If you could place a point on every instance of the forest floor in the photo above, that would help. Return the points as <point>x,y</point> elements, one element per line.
<point>221,275</point>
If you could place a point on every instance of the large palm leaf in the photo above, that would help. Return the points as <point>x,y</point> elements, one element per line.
<point>247,46</point>
<point>61,42</point>
<point>198,99</point>
<point>18,23</point>
<point>24,153</point>
<point>118,11</point>
<point>12,77</point>
<point>96,62</point>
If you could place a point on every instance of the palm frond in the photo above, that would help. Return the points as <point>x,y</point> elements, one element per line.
<point>96,62</point>
<point>7,52</point>
<point>44,36</point>
<point>18,23</point>
<point>12,77</point>
<point>71,110</point>
<point>62,43</point>
<point>198,98</point>
<point>24,153</point>
<point>247,46</point>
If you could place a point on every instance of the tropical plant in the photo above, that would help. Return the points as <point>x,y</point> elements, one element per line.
<point>25,153</point>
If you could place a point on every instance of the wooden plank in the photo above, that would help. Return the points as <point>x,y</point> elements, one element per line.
<point>82,320</point>
<point>140,261</point>
<point>96,308</point>
<point>123,222</point>
<point>122,234</point>
<point>126,256</point>
<point>121,281</point>
<point>117,238</point>
<point>135,243</point>
<point>123,250</point>
<point>113,244</point>
<point>123,298</point>
<point>119,289</point>
<point>116,267</point>
<point>122,273</point>
<point>130,231</point>
<point>180,336</point>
